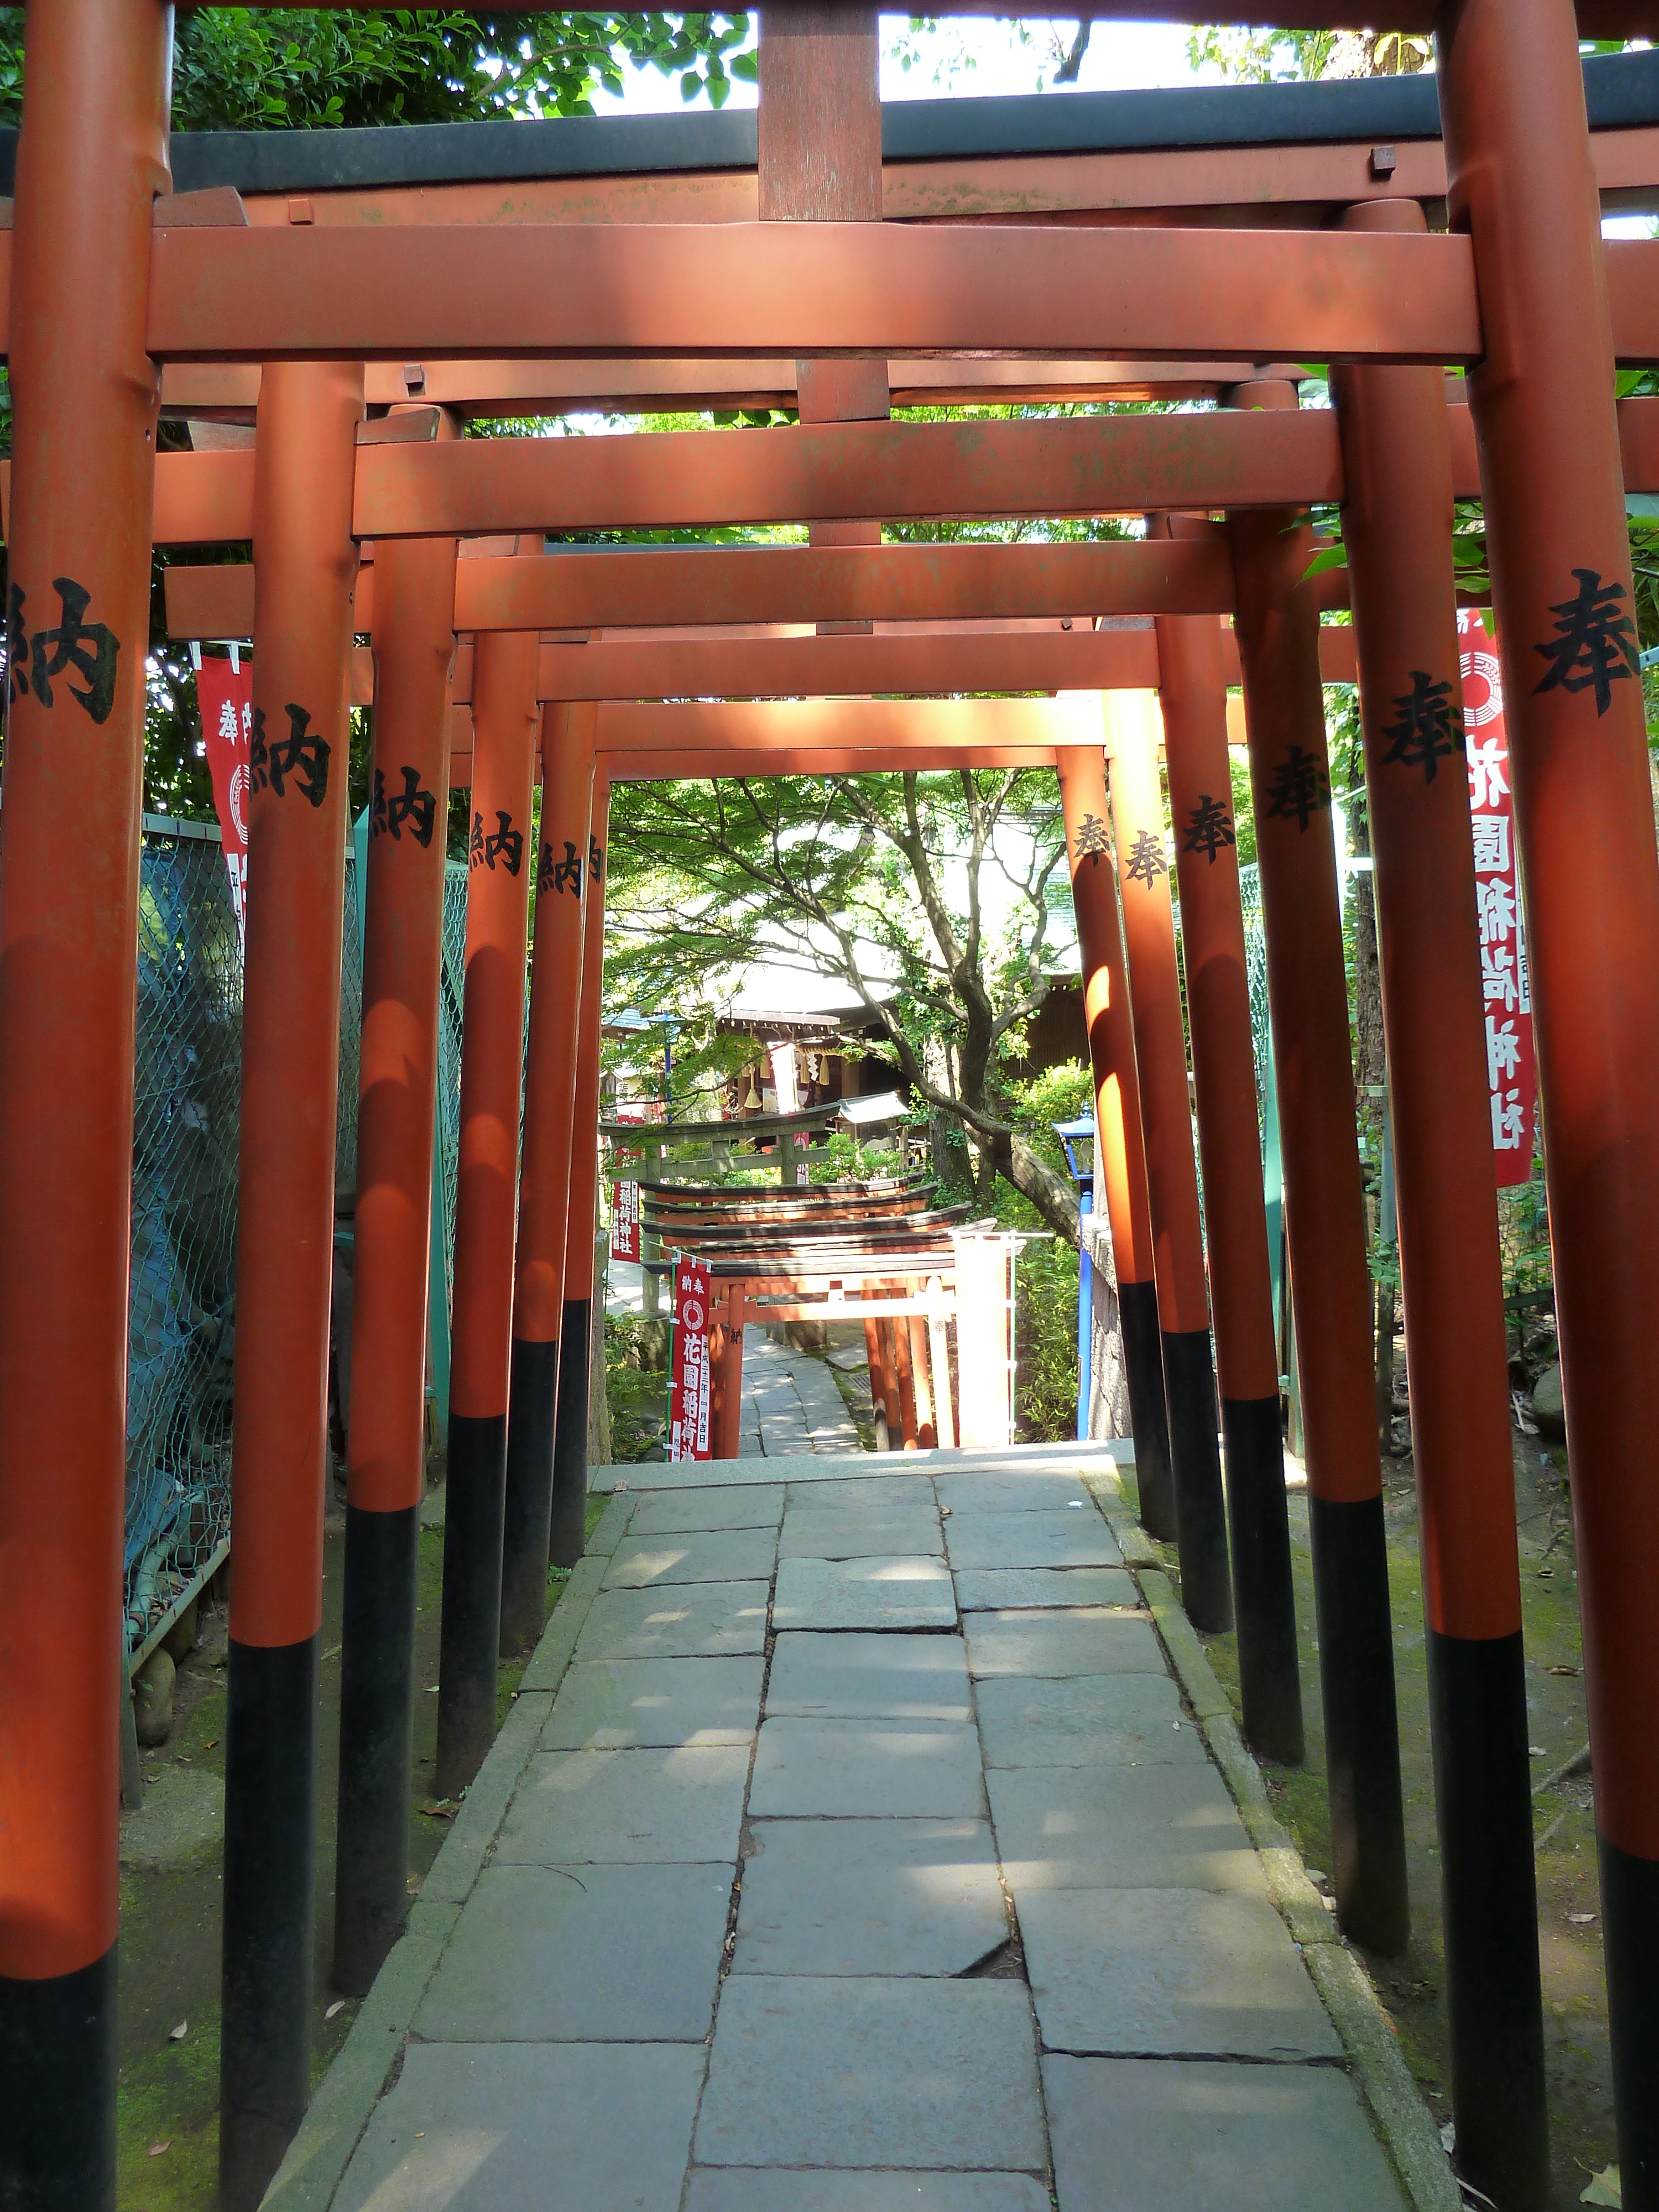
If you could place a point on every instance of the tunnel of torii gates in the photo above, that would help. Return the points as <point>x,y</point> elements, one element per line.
<point>1520,291</point>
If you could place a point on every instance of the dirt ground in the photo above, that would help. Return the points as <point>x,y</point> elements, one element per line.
<point>1569,1901</point>
<point>171,1887</point>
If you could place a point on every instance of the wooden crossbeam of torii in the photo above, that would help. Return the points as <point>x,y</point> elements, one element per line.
<point>407,484</point>
<point>681,739</point>
<point>226,291</point>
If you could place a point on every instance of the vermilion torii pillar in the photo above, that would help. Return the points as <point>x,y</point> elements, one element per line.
<point>1120,1167</point>
<point>1397,523</point>
<point>302,636</point>
<point>1277,626</point>
<point>556,983</point>
<point>576,1322</point>
<point>403,952</point>
<point>1521,185</point>
<point>1184,1305</point>
<point>92,156</point>
<point>1194,699</point>
<point>501,858</point>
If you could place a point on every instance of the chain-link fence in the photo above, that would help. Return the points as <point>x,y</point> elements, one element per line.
<point>181,1343</point>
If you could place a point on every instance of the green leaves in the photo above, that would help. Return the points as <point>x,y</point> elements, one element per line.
<point>241,69</point>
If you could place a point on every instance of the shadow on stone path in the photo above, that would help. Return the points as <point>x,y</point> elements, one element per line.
<point>850,1848</point>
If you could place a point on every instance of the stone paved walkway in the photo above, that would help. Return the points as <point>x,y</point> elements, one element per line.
<point>850,1848</point>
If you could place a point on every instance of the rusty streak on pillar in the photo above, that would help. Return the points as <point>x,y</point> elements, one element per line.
<point>501,859</point>
<point>1166,1123</point>
<point>576,1324</point>
<point>386,1469</point>
<point>1397,526</point>
<point>1192,695</point>
<point>556,978</point>
<point>1120,1167</point>
<point>1278,625</point>
<point>1522,183</point>
<point>306,569</point>
<point>819,125</point>
<point>92,154</point>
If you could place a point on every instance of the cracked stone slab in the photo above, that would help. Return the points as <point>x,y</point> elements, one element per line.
<point>1008,1490</point>
<point>1166,1973</point>
<point>583,1954</point>
<point>860,1493</point>
<point>1120,1827</point>
<point>480,2127</point>
<point>1151,2136</point>
<point>845,1769</point>
<point>996,1590</point>
<point>630,1704</point>
<point>1085,1720</point>
<point>735,2190</point>
<point>870,1677</point>
<point>871,2072</point>
<point>677,1513</point>
<point>614,1808</point>
<point>1086,1641</point>
<point>696,1620</point>
<point>727,1555</point>
<point>869,1897</point>
<point>1030,1539</point>
<point>809,1534</point>
<point>909,1592</point>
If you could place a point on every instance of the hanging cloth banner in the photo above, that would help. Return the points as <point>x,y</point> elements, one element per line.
<point>783,1057</point>
<point>1511,1064</point>
<point>624,1221</point>
<point>688,1379</point>
<point>224,691</point>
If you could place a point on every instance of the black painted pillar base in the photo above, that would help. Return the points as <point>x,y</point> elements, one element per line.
<point>470,1639</point>
<point>1483,1805</point>
<point>1362,1729</point>
<point>1264,1593</point>
<point>570,1527</point>
<point>532,1395</point>
<point>1629,1927</point>
<point>1195,1464</point>
<point>1149,1415</point>
<point>377,1714</point>
<point>270,1892</point>
<point>57,2091</point>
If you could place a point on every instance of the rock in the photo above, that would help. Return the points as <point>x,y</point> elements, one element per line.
<point>152,1698</point>
<point>181,1640</point>
<point>1546,1407</point>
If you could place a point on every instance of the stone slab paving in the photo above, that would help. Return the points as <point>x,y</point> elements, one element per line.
<point>828,1881</point>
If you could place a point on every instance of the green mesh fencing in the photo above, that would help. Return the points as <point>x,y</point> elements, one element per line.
<point>181,1332</point>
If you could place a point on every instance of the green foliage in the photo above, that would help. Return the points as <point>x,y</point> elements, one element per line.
<point>1046,1274</point>
<point>1252,56</point>
<point>241,69</point>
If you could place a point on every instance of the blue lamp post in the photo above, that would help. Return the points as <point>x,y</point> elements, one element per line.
<point>1078,1138</point>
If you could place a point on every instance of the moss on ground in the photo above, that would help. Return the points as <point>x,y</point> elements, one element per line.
<point>1412,1987</point>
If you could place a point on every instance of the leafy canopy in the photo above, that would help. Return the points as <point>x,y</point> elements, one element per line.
<point>295,69</point>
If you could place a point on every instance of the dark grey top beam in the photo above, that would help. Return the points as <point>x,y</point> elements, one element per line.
<point>1622,91</point>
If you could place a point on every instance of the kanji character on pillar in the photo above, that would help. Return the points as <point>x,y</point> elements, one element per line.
<point>1301,787</point>
<point>1429,727</point>
<point>1147,863</point>
<point>1594,643</point>
<point>1092,840</point>
<point>1209,829</point>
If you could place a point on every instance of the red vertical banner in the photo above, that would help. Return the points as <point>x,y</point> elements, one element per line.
<point>224,692</point>
<point>625,1220</point>
<point>688,1382</point>
<point>1511,1065</point>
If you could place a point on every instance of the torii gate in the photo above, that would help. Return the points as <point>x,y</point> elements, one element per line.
<point>1521,288</point>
